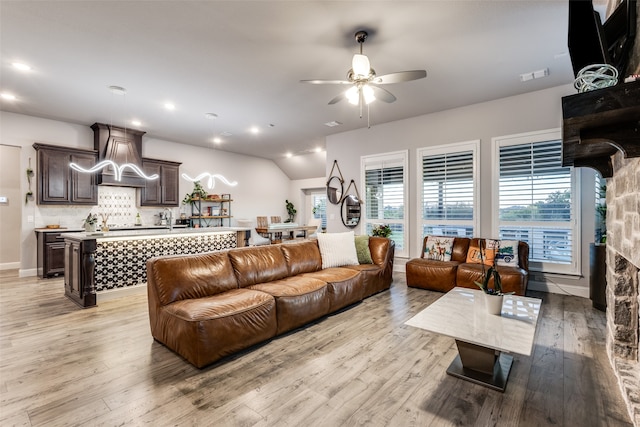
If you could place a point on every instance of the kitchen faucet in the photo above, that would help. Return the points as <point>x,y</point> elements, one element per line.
<point>170,218</point>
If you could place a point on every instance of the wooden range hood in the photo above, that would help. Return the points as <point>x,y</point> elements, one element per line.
<point>121,146</point>
<point>597,124</point>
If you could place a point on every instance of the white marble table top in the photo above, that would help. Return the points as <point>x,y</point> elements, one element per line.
<point>461,314</point>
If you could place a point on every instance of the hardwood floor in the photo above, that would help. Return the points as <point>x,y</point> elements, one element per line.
<point>62,365</point>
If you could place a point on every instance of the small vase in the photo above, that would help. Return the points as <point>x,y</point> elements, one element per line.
<point>493,303</point>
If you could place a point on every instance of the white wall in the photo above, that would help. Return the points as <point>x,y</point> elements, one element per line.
<point>11,211</point>
<point>524,113</point>
<point>262,186</point>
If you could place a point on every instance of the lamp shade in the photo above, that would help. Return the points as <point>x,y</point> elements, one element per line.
<point>368,95</point>
<point>353,96</point>
<point>360,65</point>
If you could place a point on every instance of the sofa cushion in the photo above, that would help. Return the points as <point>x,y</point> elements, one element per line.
<point>302,257</point>
<point>431,274</point>
<point>486,255</point>
<point>438,248</point>
<point>362,250</point>
<point>343,286</point>
<point>299,300</point>
<point>508,253</point>
<point>512,279</point>
<point>258,264</point>
<point>337,249</point>
<point>178,277</point>
<point>213,327</point>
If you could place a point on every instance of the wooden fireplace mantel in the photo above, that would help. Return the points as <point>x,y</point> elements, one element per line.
<point>599,123</point>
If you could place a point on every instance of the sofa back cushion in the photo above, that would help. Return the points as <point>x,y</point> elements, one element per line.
<point>180,277</point>
<point>302,257</point>
<point>258,264</point>
<point>379,248</point>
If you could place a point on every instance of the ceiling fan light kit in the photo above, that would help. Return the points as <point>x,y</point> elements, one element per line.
<point>362,77</point>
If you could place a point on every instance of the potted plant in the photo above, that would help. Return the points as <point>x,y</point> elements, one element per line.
<point>198,193</point>
<point>90,223</point>
<point>381,230</point>
<point>493,296</point>
<point>291,211</point>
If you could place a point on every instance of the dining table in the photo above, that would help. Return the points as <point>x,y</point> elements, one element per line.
<point>276,232</point>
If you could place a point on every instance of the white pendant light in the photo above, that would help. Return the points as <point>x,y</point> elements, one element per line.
<point>368,94</point>
<point>353,95</point>
<point>360,65</point>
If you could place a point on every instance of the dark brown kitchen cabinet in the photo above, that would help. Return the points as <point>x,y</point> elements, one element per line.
<point>58,184</point>
<point>164,190</point>
<point>50,254</point>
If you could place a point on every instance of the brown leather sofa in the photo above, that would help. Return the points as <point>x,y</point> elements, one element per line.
<point>210,305</point>
<point>445,275</point>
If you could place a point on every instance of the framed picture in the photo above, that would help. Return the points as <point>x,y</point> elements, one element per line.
<point>226,197</point>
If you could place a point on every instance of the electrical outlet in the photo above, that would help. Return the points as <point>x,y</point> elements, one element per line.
<point>4,200</point>
<point>29,218</point>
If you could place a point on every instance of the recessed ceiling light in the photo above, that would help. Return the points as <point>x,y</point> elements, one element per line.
<point>318,150</point>
<point>226,133</point>
<point>254,130</point>
<point>8,96</point>
<point>332,124</point>
<point>20,66</point>
<point>217,140</point>
<point>210,116</point>
<point>169,106</point>
<point>289,155</point>
<point>117,90</point>
<point>136,122</point>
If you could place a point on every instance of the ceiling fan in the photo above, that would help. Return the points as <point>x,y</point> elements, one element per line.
<point>365,82</point>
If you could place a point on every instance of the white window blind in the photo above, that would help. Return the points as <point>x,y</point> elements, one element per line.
<point>384,178</point>
<point>536,202</point>
<point>448,192</point>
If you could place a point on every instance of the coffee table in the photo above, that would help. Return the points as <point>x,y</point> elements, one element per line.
<point>482,338</point>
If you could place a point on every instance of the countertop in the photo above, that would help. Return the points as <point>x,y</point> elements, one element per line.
<point>80,229</point>
<point>151,232</point>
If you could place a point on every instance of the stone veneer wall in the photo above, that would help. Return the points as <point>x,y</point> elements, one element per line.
<point>623,277</point>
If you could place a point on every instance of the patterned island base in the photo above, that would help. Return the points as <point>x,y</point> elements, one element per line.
<point>99,264</point>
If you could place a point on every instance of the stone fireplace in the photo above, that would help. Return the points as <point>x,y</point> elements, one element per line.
<point>623,277</point>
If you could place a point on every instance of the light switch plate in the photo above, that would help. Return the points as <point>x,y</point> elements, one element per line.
<point>4,200</point>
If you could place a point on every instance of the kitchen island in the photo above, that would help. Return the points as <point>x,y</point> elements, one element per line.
<point>112,263</point>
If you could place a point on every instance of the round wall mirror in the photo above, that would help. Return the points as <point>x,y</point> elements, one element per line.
<point>335,188</point>
<point>350,211</point>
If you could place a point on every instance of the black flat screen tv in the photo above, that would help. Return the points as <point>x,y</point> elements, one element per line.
<point>592,42</point>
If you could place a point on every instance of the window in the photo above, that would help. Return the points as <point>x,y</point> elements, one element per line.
<point>536,199</point>
<point>385,184</point>
<point>319,207</point>
<point>447,193</point>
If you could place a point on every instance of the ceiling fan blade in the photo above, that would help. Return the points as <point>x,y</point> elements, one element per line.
<point>402,76</point>
<point>326,82</point>
<point>383,94</point>
<point>337,99</point>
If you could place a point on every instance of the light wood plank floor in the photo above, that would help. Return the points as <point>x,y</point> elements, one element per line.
<point>61,365</point>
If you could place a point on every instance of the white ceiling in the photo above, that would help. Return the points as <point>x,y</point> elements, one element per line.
<point>243,61</point>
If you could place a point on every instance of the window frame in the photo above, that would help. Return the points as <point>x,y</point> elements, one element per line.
<point>459,147</point>
<point>574,267</point>
<point>401,157</point>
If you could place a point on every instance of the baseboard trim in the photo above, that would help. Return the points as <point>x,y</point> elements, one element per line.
<point>10,266</point>
<point>28,272</point>
<point>120,293</point>
<point>555,288</point>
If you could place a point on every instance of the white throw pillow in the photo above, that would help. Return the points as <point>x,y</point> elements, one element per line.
<point>438,248</point>
<point>337,249</point>
<point>508,253</point>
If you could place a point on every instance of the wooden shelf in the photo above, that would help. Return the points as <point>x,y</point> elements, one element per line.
<point>599,123</point>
